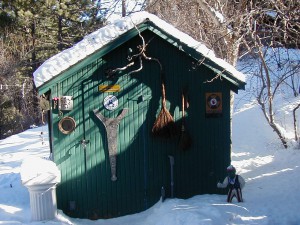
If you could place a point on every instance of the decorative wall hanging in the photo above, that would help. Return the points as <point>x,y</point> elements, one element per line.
<point>66,103</point>
<point>109,88</point>
<point>55,101</point>
<point>213,103</point>
<point>111,125</point>
<point>133,58</point>
<point>110,102</point>
<point>164,125</point>
<point>66,125</point>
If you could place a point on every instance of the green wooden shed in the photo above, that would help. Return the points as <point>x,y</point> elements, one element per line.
<point>106,95</point>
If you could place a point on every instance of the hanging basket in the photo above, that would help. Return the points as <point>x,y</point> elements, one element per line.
<point>66,125</point>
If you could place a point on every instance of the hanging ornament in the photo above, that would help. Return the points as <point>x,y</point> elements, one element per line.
<point>66,103</point>
<point>66,125</point>
<point>110,102</point>
<point>55,102</point>
<point>213,103</point>
<point>112,127</point>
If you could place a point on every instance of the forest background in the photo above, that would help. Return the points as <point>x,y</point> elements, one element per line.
<point>261,38</point>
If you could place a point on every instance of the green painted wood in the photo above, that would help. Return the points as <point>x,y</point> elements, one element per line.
<point>143,165</point>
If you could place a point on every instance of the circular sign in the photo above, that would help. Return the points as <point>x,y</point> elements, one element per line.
<point>66,125</point>
<point>213,101</point>
<point>110,102</point>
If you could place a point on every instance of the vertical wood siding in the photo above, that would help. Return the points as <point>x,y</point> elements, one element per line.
<point>143,165</point>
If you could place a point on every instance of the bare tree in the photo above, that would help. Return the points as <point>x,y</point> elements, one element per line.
<point>212,22</point>
<point>275,28</point>
<point>121,8</point>
<point>295,122</point>
<point>15,98</point>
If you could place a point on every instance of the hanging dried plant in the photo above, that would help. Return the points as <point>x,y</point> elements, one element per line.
<point>164,125</point>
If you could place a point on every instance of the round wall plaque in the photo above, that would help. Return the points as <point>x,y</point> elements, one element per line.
<point>66,125</point>
<point>110,102</point>
<point>213,101</point>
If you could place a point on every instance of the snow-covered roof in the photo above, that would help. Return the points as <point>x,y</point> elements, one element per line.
<point>103,36</point>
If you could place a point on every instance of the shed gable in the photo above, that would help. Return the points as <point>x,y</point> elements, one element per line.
<point>105,38</point>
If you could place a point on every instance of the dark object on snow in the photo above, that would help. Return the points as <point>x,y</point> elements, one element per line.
<point>172,162</point>
<point>235,183</point>
<point>163,194</point>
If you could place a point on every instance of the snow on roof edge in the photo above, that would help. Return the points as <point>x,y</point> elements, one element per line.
<point>96,40</point>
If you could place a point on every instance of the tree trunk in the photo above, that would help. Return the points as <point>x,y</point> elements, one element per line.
<point>270,114</point>
<point>295,122</point>
<point>35,99</point>
<point>59,34</point>
<point>123,8</point>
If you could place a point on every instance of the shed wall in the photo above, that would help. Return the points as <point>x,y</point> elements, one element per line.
<point>143,165</point>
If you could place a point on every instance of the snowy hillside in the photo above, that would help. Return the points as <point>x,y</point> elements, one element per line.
<point>271,193</point>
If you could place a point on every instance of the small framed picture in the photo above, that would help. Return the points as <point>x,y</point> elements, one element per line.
<point>213,103</point>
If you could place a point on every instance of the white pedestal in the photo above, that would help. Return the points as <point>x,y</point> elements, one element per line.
<point>40,177</point>
<point>42,201</point>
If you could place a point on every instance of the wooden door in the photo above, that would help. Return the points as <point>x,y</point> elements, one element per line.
<point>128,193</point>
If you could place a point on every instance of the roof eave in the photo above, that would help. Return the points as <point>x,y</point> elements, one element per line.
<point>148,24</point>
<point>240,84</point>
<point>95,55</point>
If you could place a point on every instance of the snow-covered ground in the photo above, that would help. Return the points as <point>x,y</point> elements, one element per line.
<point>271,194</point>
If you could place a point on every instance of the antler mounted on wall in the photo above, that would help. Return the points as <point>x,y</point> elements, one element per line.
<point>133,58</point>
<point>164,125</point>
